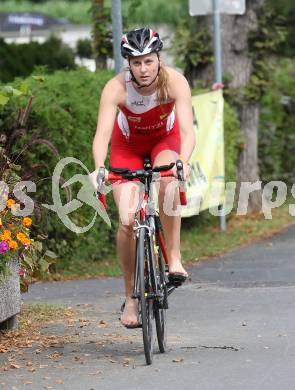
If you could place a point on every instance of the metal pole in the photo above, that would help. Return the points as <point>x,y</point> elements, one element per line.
<point>217,42</point>
<point>218,74</point>
<point>117,34</point>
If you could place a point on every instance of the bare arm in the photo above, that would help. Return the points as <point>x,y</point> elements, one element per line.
<point>180,91</point>
<point>111,97</point>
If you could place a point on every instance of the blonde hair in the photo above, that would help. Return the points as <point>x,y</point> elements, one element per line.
<point>162,85</point>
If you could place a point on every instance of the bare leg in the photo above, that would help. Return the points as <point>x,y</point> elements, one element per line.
<point>126,198</point>
<point>171,223</point>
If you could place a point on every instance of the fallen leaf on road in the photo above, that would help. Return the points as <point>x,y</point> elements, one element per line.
<point>178,360</point>
<point>102,324</point>
<point>55,355</point>
<point>95,373</point>
<point>59,382</point>
<point>13,365</point>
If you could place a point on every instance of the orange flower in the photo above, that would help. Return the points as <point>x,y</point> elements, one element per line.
<point>12,244</point>
<point>21,237</point>
<point>6,235</point>
<point>26,242</point>
<point>27,222</point>
<point>10,203</point>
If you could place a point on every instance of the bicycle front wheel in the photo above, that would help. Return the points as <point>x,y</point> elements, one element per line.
<point>161,304</point>
<point>144,289</point>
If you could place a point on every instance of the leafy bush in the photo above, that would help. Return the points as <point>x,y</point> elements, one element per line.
<point>277,126</point>
<point>17,241</point>
<point>84,48</point>
<point>52,54</point>
<point>65,111</point>
<point>231,142</point>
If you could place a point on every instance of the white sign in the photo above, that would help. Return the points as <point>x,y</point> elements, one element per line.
<point>205,7</point>
<point>26,19</point>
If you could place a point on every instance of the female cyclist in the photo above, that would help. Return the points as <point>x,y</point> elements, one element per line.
<point>154,119</point>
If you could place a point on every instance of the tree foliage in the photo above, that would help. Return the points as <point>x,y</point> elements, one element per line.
<point>277,125</point>
<point>52,54</point>
<point>286,10</point>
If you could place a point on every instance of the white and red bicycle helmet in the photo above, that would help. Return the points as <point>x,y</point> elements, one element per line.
<point>140,42</point>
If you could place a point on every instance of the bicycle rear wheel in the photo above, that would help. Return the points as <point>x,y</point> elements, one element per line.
<point>144,289</point>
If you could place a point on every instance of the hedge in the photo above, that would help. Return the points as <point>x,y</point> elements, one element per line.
<point>65,108</point>
<point>19,60</point>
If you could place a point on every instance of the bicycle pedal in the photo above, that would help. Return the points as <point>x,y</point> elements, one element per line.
<point>177,279</point>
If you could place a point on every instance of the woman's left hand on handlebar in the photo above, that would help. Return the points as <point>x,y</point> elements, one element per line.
<point>186,170</point>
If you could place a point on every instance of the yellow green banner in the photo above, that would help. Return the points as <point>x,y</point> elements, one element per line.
<point>205,187</point>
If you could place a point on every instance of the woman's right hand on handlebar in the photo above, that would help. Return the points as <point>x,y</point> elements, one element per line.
<point>93,177</point>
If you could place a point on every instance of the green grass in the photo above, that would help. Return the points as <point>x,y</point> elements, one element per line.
<point>73,11</point>
<point>151,12</point>
<point>198,241</point>
<point>34,314</point>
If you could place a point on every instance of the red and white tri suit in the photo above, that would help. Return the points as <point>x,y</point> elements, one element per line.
<point>143,128</point>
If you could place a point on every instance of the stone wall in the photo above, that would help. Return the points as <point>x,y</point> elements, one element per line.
<point>10,299</point>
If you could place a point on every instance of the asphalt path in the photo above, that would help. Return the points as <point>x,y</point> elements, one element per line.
<point>230,327</point>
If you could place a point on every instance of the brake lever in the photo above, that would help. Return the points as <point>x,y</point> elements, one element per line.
<point>100,186</point>
<point>179,170</point>
<point>100,179</point>
<point>182,183</point>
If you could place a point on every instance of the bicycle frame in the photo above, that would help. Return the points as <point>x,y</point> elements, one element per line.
<point>147,212</point>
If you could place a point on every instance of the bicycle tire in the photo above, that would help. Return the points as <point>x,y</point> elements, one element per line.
<point>145,304</point>
<point>161,307</point>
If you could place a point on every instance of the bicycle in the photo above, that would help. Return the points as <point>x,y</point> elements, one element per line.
<point>152,286</point>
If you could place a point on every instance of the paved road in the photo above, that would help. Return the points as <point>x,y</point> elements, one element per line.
<point>230,327</point>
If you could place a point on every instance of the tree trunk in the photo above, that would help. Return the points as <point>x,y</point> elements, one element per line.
<point>248,162</point>
<point>98,17</point>
<point>237,66</point>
